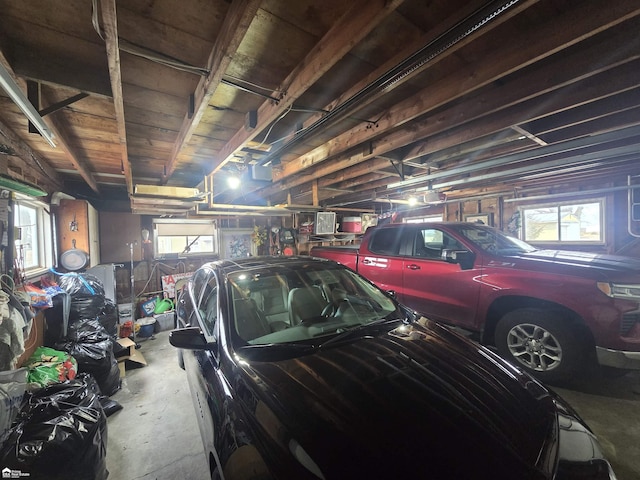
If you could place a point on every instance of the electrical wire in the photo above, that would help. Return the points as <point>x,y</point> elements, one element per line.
<point>153,269</point>
<point>144,52</point>
<point>282,115</point>
<point>266,89</point>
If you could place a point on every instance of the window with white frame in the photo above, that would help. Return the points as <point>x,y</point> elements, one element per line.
<point>565,222</point>
<point>33,240</point>
<point>185,237</point>
<point>424,218</point>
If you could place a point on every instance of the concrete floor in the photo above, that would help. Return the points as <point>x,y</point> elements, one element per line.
<point>155,436</point>
<point>612,409</point>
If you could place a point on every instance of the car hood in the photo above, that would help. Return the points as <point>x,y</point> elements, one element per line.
<point>573,263</point>
<point>432,401</point>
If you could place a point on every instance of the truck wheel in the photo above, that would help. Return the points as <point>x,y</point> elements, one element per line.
<point>539,341</point>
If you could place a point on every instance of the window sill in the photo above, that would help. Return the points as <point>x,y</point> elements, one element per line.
<point>34,275</point>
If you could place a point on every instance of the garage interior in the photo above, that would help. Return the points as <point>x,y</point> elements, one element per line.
<point>129,120</point>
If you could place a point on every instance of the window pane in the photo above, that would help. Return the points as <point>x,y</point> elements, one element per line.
<point>27,238</point>
<point>171,244</point>
<point>570,222</point>
<point>386,241</point>
<point>541,224</point>
<point>580,223</point>
<point>185,244</point>
<point>200,244</point>
<point>427,218</point>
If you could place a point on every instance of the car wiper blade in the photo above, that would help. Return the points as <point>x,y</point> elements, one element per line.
<point>358,331</point>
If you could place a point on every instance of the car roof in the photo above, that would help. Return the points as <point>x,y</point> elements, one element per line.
<point>253,263</point>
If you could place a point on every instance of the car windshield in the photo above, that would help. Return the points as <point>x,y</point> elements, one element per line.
<point>493,241</point>
<point>294,306</point>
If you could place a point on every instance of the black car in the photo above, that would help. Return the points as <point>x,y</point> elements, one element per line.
<point>300,368</point>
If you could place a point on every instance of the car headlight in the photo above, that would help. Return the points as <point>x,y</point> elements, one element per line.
<point>620,290</point>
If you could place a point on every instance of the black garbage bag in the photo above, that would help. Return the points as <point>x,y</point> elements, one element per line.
<point>81,285</point>
<point>83,308</point>
<point>55,319</point>
<point>109,405</point>
<point>92,347</point>
<point>109,318</point>
<point>60,433</point>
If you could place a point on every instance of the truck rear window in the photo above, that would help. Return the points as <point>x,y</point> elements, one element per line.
<point>386,241</point>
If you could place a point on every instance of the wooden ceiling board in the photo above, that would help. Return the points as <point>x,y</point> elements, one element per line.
<point>200,18</point>
<point>562,70</point>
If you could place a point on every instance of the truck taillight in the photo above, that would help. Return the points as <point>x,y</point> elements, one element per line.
<point>618,290</point>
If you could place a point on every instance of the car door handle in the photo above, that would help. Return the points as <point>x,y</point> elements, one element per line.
<point>413,266</point>
<point>366,261</point>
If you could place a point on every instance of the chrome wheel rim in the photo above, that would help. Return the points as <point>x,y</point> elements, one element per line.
<point>534,347</point>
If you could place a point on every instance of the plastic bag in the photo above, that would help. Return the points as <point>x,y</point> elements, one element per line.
<point>109,405</point>
<point>85,308</point>
<point>60,433</point>
<point>81,285</point>
<point>57,319</point>
<point>92,347</point>
<point>47,366</point>
<point>12,388</point>
<point>38,297</point>
<point>109,318</point>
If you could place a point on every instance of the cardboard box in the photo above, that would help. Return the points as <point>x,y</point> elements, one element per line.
<point>130,357</point>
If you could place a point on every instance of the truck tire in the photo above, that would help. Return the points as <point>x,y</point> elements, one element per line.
<point>540,342</point>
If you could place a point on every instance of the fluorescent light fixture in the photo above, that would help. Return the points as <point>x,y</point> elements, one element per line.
<point>19,98</point>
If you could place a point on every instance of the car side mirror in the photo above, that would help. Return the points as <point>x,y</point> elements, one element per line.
<point>190,338</point>
<point>464,258</point>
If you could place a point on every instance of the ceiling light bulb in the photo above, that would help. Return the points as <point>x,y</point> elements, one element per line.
<point>233,182</point>
<point>412,200</point>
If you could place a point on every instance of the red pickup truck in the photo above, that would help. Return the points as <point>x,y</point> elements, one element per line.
<point>547,311</point>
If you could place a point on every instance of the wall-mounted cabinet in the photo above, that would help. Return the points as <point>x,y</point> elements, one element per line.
<point>77,228</point>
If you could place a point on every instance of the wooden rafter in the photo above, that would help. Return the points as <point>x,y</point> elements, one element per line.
<point>449,88</point>
<point>59,134</point>
<point>29,160</point>
<point>326,53</point>
<point>110,23</point>
<point>234,28</point>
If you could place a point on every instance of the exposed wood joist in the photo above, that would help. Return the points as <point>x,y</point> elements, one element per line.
<point>28,160</point>
<point>362,17</point>
<point>110,23</point>
<point>432,87</point>
<point>234,28</point>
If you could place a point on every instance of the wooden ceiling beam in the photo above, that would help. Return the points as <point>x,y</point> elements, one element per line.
<point>487,123</point>
<point>434,159</point>
<point>234,28</point>
<point>551,37</point>
<point>601,108</point>
<point>361,18</point>
<point>110,22</point>
<point>356,171</point>
<point>27,160</point>
<point>60,135</point>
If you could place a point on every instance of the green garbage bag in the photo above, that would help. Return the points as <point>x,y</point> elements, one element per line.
<point>47,366</point>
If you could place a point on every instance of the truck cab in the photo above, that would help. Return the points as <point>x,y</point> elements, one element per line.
<point>548,311</point>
